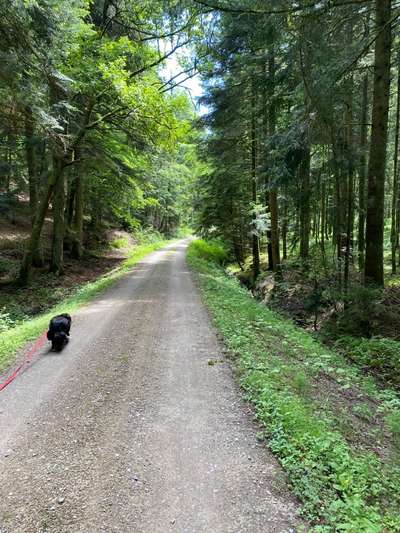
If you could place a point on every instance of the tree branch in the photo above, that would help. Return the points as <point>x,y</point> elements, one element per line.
<point>245,11</point>
<point>159,60</point>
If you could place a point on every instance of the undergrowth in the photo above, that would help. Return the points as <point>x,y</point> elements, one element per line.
<point>377,354</point>
<point>341,488</point>
<point>118,243</point>
<point>12,338</point>
<point>212,250</point>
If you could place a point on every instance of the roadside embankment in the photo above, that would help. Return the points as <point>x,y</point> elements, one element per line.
<point>335,432</point>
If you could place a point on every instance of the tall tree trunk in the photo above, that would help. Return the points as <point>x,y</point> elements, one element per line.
<point>304,174</point>
<point>57,252</point>
<point>77,227</point>
<point>337,213</point>
<point>362,175</point>
<point>26,265</point>
<point>273,192</point>
<point>337,222</point>
<point>30,148</point>
<point>394,236</point>
<point>377,159</point>
<point>70,200</point>
<point>350,226</point>
<point>284,230</point>
<point>255,239</point>
<point>350,177</point>
<point>323,219</point>
<point>31,163</point>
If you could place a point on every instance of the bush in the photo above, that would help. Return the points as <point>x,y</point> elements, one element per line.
<point>121,242</point>
<point>212,250</point>
<point>377,354</point>
<point>359,312</point>
<point>148,236</point>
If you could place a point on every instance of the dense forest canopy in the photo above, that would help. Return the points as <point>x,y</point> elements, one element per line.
<point>295,155</point>
<point>89,126</point>
<point>299,98</point>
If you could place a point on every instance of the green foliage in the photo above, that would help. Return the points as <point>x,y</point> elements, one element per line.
<point>6,321</point>
<point>379,355</point>
<point>278,364</point>
<point>359,308</point>
<point>393,423</point>
<point>6,265</point>
<point>84,86</point>
<point>118,243</point>
<point>211,250</point>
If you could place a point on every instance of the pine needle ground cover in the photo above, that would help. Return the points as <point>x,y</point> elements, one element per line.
<point>336,434</point>
<point>14,338</point>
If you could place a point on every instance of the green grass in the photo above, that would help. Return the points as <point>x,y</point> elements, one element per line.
<point>118,243</point>
<point>342,488</point>
<point>14,338</point>
<point>212,250</point>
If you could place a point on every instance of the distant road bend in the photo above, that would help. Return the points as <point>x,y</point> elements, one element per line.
<point>131,430</point>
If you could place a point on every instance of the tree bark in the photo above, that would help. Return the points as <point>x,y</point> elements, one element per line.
<point>77,226</point>
<point>304,174</point>
<point>350,177</point>
<point>394,236</point>
<point>31,163</point>
<point>373,272</point>
<point>26,265</point>
<point>362,179</point>
<point>273,192</point>
<point>70,200</point>
<point>284,230</point>
<point>255,239</point>
<point>33,178</point>
<point>57,252</point>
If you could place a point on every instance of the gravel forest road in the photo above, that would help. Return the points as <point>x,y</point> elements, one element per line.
<point>130,429</point>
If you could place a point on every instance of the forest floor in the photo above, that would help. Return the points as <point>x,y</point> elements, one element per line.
<point>138,425</point>
<point>18,304</point>
<point>362,323</point>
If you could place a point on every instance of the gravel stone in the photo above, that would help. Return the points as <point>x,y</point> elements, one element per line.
<point>132,392</point>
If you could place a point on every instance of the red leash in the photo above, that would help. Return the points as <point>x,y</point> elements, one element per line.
<point>28,358</point>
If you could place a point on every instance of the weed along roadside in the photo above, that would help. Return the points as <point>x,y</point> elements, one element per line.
<point>13,339</point>
<point>336,433</point>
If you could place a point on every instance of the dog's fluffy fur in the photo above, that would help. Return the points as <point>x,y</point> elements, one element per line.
<point>59,329</point>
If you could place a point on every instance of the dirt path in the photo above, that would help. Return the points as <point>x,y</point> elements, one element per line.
<point>131,430</point>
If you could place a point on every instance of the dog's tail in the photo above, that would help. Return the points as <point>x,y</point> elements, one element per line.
<point>59,339</point>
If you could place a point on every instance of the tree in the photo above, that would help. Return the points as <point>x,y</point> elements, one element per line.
<point>377,157</point>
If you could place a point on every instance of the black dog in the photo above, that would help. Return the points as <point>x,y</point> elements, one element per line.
<point>58,333</point>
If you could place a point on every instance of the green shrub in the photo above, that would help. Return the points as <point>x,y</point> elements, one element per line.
<point>148,236</point>
<point>355,312</point>
<point>212,250</point>
<point>393,423</point>
<point>380,355</point>
<point>359,312</point>
<point>121,242</point>
<point>6,321</point>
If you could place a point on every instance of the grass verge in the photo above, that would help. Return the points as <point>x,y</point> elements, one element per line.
<point>284,372</point>
<point>14,338</point>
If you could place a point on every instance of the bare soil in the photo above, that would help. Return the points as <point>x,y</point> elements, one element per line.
<point>47,289</point>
